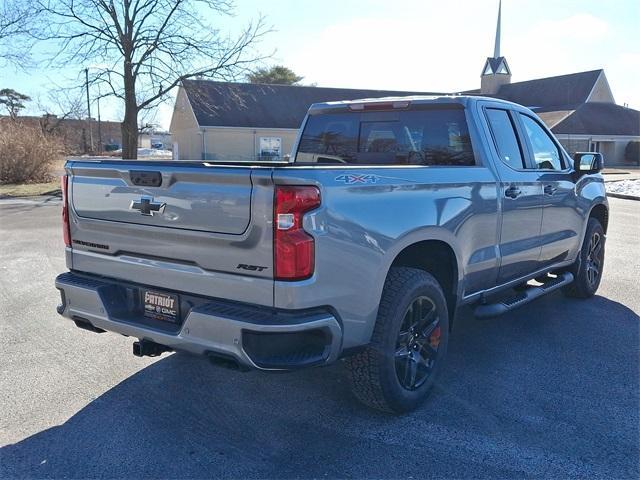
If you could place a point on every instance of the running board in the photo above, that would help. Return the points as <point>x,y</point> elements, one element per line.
<point>526,296</point>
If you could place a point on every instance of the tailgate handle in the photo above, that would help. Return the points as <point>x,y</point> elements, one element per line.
<point>145,178</point>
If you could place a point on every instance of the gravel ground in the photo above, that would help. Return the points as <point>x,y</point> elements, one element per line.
<point>547,391</point>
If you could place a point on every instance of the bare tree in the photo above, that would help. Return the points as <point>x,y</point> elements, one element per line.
<point>62,104</point>
<point>15,23</point>
<point>145,48</point>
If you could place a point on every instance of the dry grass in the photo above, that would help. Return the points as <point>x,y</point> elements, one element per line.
<point>57,167</point>
<point>30,189</point>
<point>27,154</point>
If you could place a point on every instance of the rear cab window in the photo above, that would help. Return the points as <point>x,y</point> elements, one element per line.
<point>433,136</point>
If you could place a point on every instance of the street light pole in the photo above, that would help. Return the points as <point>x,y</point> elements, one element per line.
<point>100,144</point>
<point>86,76</point>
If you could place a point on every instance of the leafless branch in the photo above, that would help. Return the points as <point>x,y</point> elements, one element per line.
<point>145,48</point>
<point>61,104</point>
<point>16,23</point>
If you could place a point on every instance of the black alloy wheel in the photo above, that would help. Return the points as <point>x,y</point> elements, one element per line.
<point>595,257</point>
<point>417,343</point>
<point>397,370</point>
<point>589,266</point>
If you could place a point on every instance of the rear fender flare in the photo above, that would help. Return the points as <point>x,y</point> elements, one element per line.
<point>411,238</point>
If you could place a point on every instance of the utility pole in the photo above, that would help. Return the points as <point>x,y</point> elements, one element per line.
<point>86,76</point>
<point>100,144</point>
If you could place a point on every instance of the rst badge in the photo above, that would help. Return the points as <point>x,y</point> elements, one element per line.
<point>251,268</point>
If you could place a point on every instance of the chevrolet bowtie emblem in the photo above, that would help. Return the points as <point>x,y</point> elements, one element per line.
<point>147,206</point>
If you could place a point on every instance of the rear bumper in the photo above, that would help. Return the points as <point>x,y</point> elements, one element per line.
<point>254,337</point>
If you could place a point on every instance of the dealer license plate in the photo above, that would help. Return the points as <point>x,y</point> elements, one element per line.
<point>161,306</point>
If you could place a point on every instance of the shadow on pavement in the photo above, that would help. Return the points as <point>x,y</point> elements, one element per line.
<point>551,390</point>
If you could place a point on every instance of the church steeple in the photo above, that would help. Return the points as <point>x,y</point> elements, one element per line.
<point>496,48</point>
<point>495,72</point>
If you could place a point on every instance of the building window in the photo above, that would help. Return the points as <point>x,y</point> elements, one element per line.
<point>270,148</point>
<point>502,69</point>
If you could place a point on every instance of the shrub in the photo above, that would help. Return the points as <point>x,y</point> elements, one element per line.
<point>26,153</point>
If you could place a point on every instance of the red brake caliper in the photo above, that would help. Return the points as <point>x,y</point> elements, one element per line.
<point>434,339</point>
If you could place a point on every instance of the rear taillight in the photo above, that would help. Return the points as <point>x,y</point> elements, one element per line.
<point>66,232</point>
<point>293,249</point>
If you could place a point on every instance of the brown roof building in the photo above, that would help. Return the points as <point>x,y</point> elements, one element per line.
<point>221,120</point>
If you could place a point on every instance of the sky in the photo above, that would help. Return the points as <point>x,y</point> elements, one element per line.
<point>418,45</point>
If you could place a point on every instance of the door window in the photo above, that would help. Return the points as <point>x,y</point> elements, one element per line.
<point>505,138</point>
<point>546,154</point>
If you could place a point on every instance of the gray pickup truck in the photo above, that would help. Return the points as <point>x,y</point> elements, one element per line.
<point>389,215</point>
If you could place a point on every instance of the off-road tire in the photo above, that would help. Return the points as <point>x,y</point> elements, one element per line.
<point>582,287</point>
<point>372,372</point>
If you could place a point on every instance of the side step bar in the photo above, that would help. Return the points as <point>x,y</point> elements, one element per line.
<point>526,296</point>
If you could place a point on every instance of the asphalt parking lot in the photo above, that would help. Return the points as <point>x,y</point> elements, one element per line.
<point>551,390</point>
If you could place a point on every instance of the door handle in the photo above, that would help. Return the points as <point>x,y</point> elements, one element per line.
<point>512,192</point>
<point>549,189</point>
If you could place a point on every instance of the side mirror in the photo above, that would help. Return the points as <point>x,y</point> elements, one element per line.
<point>588,162</point>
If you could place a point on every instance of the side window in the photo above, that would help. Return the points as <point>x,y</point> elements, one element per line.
<point>505,137</point>
<point>546,154</point>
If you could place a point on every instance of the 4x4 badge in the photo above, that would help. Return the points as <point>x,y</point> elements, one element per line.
<point>147,206</point>
<point>351,178</point>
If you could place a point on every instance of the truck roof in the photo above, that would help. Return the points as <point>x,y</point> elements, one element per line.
<point>400,102</point>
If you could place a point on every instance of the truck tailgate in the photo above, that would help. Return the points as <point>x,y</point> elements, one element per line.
<point>207,199</point>
<point>192,227</point>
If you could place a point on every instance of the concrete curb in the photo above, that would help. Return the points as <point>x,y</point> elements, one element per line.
<point>622,195</point>
<point>610,179</point>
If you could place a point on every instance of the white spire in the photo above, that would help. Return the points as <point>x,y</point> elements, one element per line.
<point>496,48</point>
